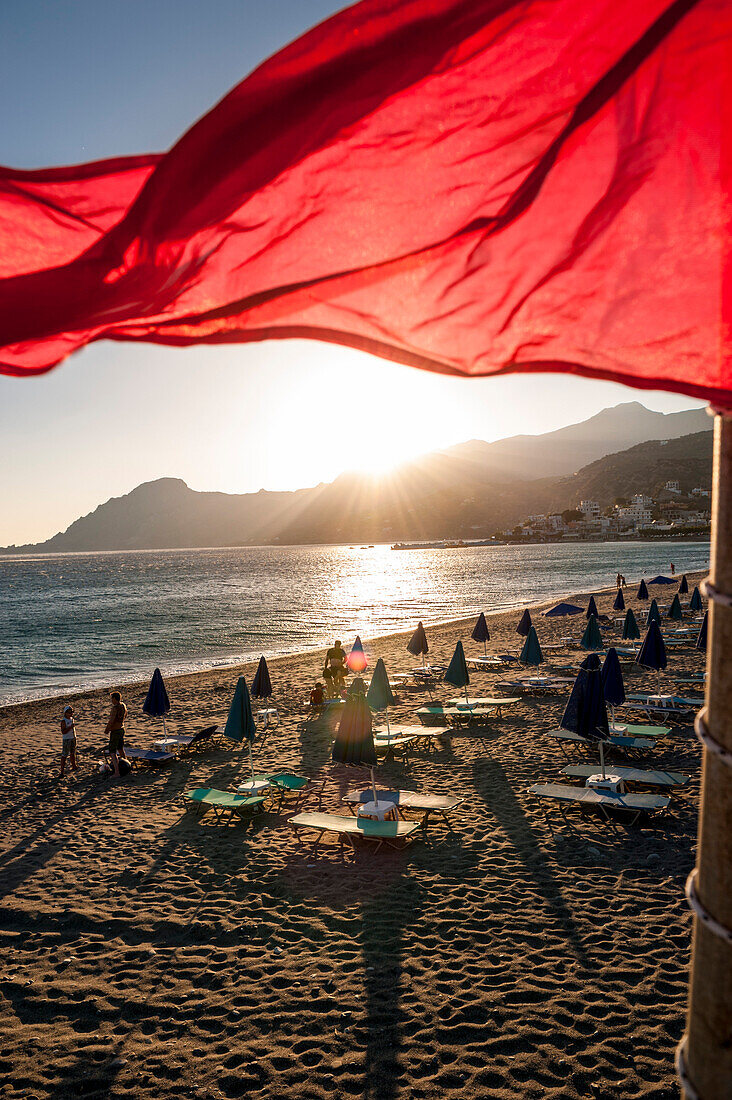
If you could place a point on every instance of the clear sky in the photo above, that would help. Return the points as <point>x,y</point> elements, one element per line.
<point>85,79</point>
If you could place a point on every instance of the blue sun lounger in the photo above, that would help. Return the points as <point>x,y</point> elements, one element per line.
<point>635,804</point>
<point>641,776</point>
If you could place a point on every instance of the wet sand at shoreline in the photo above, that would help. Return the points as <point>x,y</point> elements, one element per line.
<point>150,953</point>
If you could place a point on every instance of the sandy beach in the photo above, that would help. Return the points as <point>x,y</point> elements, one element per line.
<point>147,952</point>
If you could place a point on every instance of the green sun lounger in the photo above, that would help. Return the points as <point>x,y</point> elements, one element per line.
<point>223,802</point>
<point>640,729</point>
<point>635,804</point>
<point>351,829</point>
<point>641,776</point>
<point>425,804</point>
<point>459,713</point>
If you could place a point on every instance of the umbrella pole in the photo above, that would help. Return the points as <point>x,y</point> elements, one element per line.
<point>602,758</point>
<point>165,728</point>
<point>388,727</point>
<point>251,761</point>
<point>466,695</point>
<point>705,1053</point>
<point>373,785</point>
<point>485,649</point>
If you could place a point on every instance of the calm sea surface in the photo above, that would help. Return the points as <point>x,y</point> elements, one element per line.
<point>74,621</point>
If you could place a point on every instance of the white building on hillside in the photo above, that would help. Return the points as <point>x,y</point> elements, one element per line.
<point>589,508</point>
<point>672,487</point>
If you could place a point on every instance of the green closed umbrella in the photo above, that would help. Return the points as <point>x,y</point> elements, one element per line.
<point>457,670</point>
<point>380,696</point>
<point>531,653</point>
<point>592,638</point>
<point>240,723</point>
<point>354,741</point>
<point>674,611</point>
<point>631,633</point>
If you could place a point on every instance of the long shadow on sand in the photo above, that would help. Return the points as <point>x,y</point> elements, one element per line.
<point>493,787</point>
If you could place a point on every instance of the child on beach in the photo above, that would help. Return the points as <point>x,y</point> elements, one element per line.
<point>317,695</point>
<point>68,740</point>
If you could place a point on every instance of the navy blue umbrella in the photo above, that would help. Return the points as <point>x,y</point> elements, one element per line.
<point>524,625</point>
<point>654,615</point>
<point>261,684</point>
<point>561,609</point>
<point>684,586</point>
<point>157,703</point>
<point>354,740</point>
<point>695,603</point>
<point>592,609</point>
<point>652,654</point>
<point>481,632</point>
<point>619,604</point>
<point>642,593</point>
<point>662,580</point>
<point>701,638</point>
<point>417,644</point>
<point>612,681</point>
<point>586,712</point>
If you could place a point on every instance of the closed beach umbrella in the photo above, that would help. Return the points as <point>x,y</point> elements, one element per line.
<point>684,585</point>
<point>356,659</point>
<point>261,684</point>
<point>531,653</point>
<point>695,603</point>
<point>592,638</point>
<point>619,604</point>
<point>457,670</point>
<point>354,740</point>
<point>157,703</point>
<point>701,638</point>
<point>417,644</point>
<point>674,611</point>
<point>240,722</point>
<point>586,712</point>
<point>652,653</point>
<point>631,633</point>
<point>481,632</point>
<point>642,593</point>
<point>612,681</point>
<point>380,696</point>
<point>524,625</point>
<point>654,615</point>
<point>592,609</point>
<point>561,609</point>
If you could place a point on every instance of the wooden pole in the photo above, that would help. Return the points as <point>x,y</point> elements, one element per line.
<point>705,1055</point>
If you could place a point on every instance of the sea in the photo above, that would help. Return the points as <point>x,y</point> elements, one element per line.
<point>71,622</point>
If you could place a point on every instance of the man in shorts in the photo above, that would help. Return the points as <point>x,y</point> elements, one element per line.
<point>115,727</point>
<point>68,740</point>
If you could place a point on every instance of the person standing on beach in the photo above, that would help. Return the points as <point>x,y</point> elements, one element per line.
<point>68,741</point>
<point>115,727</point>
<point>618,579</point>
<point>673,569</point>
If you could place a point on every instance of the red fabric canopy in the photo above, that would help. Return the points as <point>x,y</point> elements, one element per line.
<point>468,186</point>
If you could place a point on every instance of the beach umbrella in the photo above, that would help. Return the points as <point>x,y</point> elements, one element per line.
<point>642,593</point>
<point>561,609</point>
<point>592,609</point>
<point>261,684</point>
<point>674,611</point>
<point>531,653</point>
<point>695,603</point>
<point>684,586</point>
<point>612,681</point>
<point>654,615</point>
<point>417,644</point>
<point>356,659</point>
<point>354,739</point>
<point>157,703</point>
<point>358,687</point>
<point>652,653</point>
<point>586,712</point>
<point>457,670</point>
<point>481,632</point>
<point>592,638</point>
<point>240,722</point>
<point>662,580</point>
<point>380,696</point>
<point>619,604</point>
<point>701,638</point>
<point>631,633</point>
<point>524,625</point>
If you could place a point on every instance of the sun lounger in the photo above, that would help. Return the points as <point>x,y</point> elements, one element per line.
<point>668,705</point>
<point>617,741</point>
<point>405,736</point>
<point>562,794</point>
<point>491,701</point>
<point>463,713</point>
<point>351,829</point>
<point>222,802</point>
<point>193,742</point>
<point>639,729</point>
<point>287,787</point>
<point>537,684</point>
<point>148,756</point>
<point>641,776</point>
<point>425,804</point>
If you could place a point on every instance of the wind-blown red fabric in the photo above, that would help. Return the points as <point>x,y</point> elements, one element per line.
<point>468,186</point>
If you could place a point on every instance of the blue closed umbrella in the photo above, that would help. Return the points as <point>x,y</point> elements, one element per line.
<point>157,703</point>
<point>612,681</point>
<point>674,611</point>
<point>592,638</point>
<point>592,609</point>
<point>261,684</point>
<point>631,632</point>
<point>695,603</point>
<point>457,670</point>
<point>619,604</point>
<point>652,653</point>
<point>481,632</point>
<point>586,712</point>
<point>654,615</point>
<point>417,644</point>
<point>354,740</point>
<point>684,585</point>
<point>240,722</point>
<point>531,653</point>
<point>561,609</point>
<point>642,593</point>
<point>524,625</point>
<point>701,638</point>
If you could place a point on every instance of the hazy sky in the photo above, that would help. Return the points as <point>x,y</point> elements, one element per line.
<point>85,79</point>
